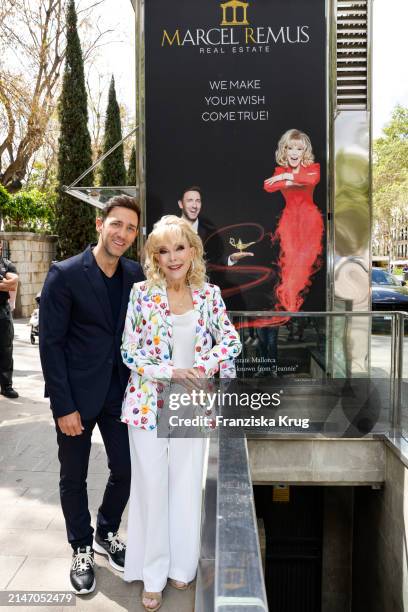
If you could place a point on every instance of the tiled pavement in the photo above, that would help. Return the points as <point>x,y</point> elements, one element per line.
<point>34,553</point>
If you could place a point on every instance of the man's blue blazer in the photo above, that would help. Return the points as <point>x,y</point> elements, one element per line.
<point>79,339</point>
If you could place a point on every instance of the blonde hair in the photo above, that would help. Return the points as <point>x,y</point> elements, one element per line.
<point>281,153</point>
<point>176,228</point>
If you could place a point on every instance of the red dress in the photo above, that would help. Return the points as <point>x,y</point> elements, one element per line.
<point>300,232</point>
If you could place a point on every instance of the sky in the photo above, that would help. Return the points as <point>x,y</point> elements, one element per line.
<point>117,56</point>
<point>390,72</point>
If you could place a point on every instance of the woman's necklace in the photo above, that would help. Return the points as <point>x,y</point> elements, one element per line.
<point>180,303</point>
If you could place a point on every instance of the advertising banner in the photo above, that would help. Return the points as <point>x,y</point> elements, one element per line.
<point>236,105</point>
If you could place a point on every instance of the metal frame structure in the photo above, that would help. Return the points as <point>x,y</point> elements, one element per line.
<point>349,144</point>
<point>139,6</point>
<point>90,195</point>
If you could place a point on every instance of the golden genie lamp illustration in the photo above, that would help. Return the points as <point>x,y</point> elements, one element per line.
<point>240,246</point>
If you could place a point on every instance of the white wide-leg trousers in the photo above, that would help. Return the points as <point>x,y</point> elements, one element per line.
<point>164,508</point>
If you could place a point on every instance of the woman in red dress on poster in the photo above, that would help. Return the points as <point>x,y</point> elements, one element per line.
<point>300,227</point>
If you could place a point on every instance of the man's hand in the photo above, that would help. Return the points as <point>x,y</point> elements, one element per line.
<point>9,282</point>
<point>241,255</point>
<point>71,424</point>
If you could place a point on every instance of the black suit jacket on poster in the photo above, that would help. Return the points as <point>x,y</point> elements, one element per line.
<point>79,340</point>
<point>260,296</point>
<point>212,242</point>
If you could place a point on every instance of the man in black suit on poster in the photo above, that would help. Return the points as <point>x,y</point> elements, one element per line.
<point>82,315</point>
<point>190,203</point>
<point>221,261</point>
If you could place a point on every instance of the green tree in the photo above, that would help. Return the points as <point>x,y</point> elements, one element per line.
<point>131,173</point>
<point>4,199</point>
<point>75,221</point>
<point>32,50</point>
<point>390,180</point>
<point>27,211</point>
<point>113,167</point>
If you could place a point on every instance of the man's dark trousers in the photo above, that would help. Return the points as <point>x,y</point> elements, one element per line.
<point>6,346</point>
<point>73,453</point>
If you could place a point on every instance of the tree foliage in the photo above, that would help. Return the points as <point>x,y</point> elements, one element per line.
<point>27,211</point>
<point>113,167</point>
<point>33,31</point>
<point>4,199</point>
<point>32,51</point>
<point>390,179</point>
<point>131,172</point>
<point>75,224</point>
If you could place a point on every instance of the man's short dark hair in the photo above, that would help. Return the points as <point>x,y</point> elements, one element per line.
<point>124,201</point>
<point>192,188</point>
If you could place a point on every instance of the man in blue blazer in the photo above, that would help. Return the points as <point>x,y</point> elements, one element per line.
<point>82,314</point>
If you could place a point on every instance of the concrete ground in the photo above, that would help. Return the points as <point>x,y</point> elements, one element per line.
<point>34,553</point>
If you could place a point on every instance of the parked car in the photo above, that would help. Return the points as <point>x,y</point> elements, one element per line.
<point>387,292</point>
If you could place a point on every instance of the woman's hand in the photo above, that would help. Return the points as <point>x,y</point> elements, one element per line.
<point>191,378</point>
<point>273,179</point>
<point>190,373</point>
<point>285,176</point>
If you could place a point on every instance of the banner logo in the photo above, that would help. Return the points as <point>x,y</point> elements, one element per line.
<point>232,10</point>
<point>234,34</point>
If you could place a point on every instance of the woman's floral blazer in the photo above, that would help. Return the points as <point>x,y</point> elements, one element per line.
<point>147,347</point>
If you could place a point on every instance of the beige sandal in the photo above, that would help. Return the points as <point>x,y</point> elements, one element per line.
<point>177,584</point>
<point>153,596</point>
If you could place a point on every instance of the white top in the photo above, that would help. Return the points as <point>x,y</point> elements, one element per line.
<point>184,333</point>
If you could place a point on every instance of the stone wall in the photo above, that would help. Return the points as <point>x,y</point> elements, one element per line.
<point>32,255</point>
<point>337,554</point>
<point>380,559</point>
<point>317,461</point>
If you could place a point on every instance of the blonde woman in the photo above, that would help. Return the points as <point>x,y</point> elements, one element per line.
<point>176,328</point>
<point>300,228</point>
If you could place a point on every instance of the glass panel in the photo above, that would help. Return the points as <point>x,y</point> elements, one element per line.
<point>404,381</point>
<point>98,196</point>
<point>278,346</point>
<point>381,346</point>
<point>333,371</point>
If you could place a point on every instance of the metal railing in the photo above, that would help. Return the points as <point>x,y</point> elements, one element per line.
<point>230,575</point>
